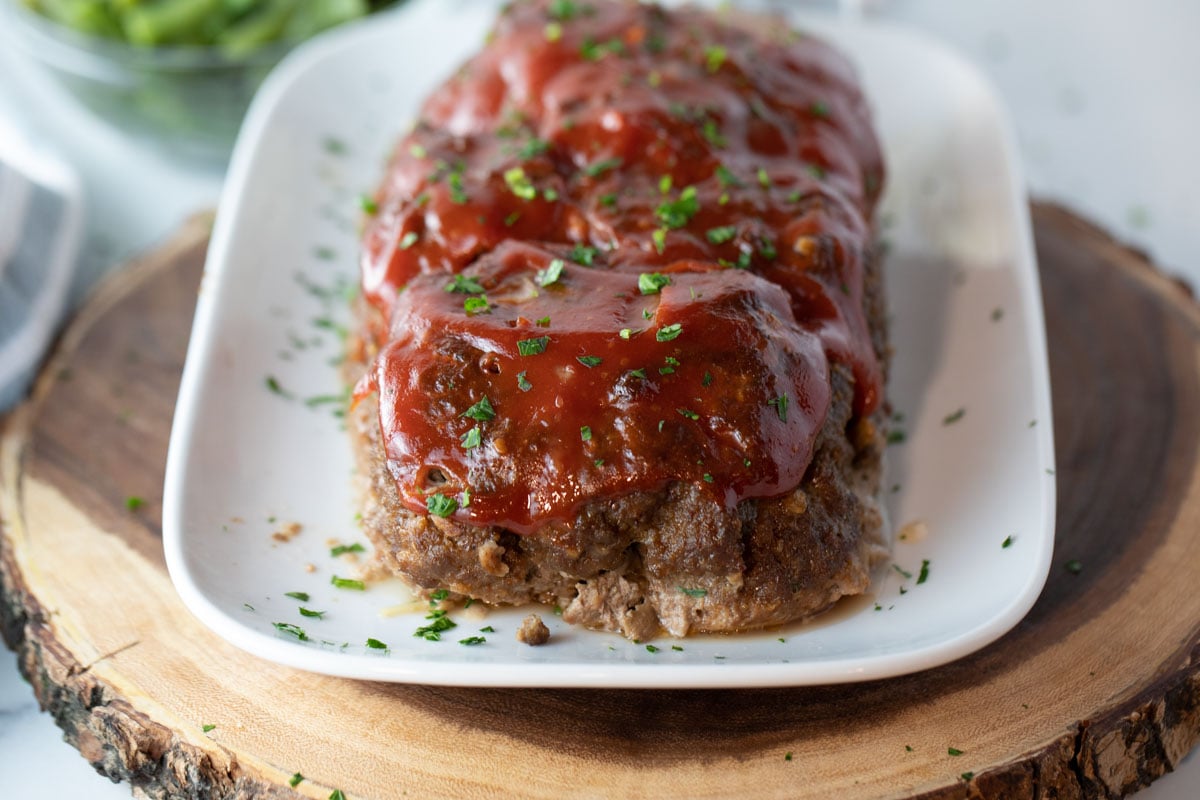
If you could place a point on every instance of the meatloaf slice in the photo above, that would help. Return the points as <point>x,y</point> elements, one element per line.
<point>675,559</point>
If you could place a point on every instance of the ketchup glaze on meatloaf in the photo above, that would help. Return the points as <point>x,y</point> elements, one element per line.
<point>619,249</point>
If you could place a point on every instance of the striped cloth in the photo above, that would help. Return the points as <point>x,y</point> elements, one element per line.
<point>40,224</point>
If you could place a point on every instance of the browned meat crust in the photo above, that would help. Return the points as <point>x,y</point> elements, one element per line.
<point>533,631</point>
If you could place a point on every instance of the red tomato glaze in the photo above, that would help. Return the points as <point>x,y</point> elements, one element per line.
<point>658,222</point>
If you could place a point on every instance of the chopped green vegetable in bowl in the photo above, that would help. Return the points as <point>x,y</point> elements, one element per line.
<point>179,73</point>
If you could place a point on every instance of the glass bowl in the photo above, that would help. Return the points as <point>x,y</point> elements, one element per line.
<point>187,100</point>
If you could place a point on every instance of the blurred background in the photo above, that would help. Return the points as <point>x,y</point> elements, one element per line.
<point>128,109</point>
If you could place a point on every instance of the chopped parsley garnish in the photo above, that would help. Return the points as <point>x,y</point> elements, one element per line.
<point>471,641</point>
<point>652,282</point>
<point>346,548</point>
<point>334,146</point>
<point>533,148</point>
<point>481,411</point>
<point>1007,543</point>
<point>712,133</point>
<point>457,194</point>
<point>626,333</point>
<point>533,347</point>
<point>589,361</point>
<point>714,57</point>
<point>895,436</point>
<point>464,284</point>
<point>707,380</point>
<point>591,50</point>
<point>1074,566</point>
<point>608,200</point>
<point>367,204</point>
<point>668,332</point>
<point>660,239</point>
<point>924,574</point>
<point>433,631</point>
<point>722,234</point>
<point>638,373</point>
<point>289,628</point>
<point>819,109</point>
<point>476,305</point>
<point>518,184</point>
<point>337,794</point>
<point>727,178</point>
<point>522,383</point>
<point>651,648</point>
<point>967,776</point>
<point>598,168</point>
<point>207,728</point>
<point>781,406</point>
<point>764,179</point>
<point>585,433</point>
<point>133,503</point>
<point>564,10</point>
<point>552,272</point>
<point>582,254</point>
<point>417,151</point>
<point>678,213</point>
<point>953,751</point>
<point>816,171</point>
<point>553,31</point>
<point>301,596</point>
<point>511,219</point>
<point>438,595</point>
<point>375,644</point>
<point>787,756</point>
<point>487,629</point>
<point>707,477</point>
<point>954,417</point>
<point>767,248</point>
<point>273,385</point>
<point>901,570</point>
<point>441,505</point>
<point>471,439</point>
<point>692,592</point>
<point>542,322</point>
<point>295,780</point>
<point>664,184</point>
<point>687,413</point>
<point>348,583</point>
<point>308,612</point>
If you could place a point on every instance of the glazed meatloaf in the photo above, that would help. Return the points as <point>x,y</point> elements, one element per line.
<point>622,330</point>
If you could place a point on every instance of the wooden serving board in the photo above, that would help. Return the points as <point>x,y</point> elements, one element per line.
<point>1095,694</point>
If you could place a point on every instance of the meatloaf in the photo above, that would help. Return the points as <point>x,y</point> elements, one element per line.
<point>622,343</point>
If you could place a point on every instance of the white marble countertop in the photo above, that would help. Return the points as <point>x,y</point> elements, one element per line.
<point>1104,94</point>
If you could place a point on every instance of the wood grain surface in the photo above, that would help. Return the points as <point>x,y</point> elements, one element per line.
<point>1095,694</point>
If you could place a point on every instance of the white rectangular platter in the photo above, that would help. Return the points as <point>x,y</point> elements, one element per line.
<point>256,446</point>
